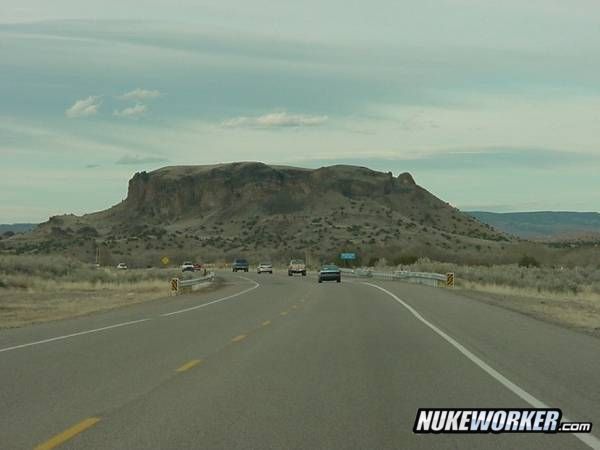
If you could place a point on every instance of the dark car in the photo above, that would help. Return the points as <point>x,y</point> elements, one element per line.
<point>239,264</point>
<point>330,272</point>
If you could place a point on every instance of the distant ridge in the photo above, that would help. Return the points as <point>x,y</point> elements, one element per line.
<point>17,227</point>
<point>542,224</point>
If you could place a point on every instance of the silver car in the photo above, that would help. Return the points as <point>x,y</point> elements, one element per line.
<point>264,267</point>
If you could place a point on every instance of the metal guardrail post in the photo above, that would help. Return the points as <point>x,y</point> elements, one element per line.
<point>431,279</point>
<point>177,284</point>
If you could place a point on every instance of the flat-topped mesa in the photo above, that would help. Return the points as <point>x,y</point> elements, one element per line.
<point>184,190</point>
<point>251,207</point>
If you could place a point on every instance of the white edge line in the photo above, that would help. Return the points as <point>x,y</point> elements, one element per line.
<point>256,285</point>
<point>588,439</point>
<point>67,336</point>
<point>123,324</point>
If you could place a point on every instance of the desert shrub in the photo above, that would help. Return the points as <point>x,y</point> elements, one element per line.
<point>88,231</point>
<point>528,261</point>
<point>281,203</point>
<point>405,260</point>
<point>541,279</point>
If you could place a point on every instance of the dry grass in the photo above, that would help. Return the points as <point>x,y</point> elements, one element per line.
<point>547,281</point>
<point>34,289</point>
<point>18,308</point>
<point>579,311</point>
<point>569,297</point>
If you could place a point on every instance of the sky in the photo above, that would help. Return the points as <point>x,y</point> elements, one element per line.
<point>490,105</point>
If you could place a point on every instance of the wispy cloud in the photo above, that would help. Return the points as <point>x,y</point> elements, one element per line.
<point>276,119</point>
<point>132,112</point>
<point>139,95</point>
<point>130,160</point>
<point>85,107</point>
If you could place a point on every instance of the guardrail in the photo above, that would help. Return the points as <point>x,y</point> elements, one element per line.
<point>427,278</point>
<point>177,284</point>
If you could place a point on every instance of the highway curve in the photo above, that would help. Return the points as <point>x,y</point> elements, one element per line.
<point>277,362</point>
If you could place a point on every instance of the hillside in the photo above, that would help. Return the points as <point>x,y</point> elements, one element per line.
<point>256,210</point>
<point>543,224</point>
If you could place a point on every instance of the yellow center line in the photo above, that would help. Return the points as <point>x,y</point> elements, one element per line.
<point>189,365</point>
<point>265,323</point>
<point>70,433</point>
<point>294,306</point>
<point>239,338</point>
<point>283,313</point>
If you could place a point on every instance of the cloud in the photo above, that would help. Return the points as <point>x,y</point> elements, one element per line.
<point>84,108</point>
<point>276,120</point>
<point>132,112</point>
<point>134,160</point>
<point>139,94</point>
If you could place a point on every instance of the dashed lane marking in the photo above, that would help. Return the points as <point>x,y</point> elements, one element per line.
<point>69,433</point>
<point>187,366</point>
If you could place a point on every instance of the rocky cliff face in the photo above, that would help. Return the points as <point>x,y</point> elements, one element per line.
<point>243,188</point>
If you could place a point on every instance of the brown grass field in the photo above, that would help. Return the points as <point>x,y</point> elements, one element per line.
<point>579,311</point>
<point>39,289</point>
<point>566,296</point>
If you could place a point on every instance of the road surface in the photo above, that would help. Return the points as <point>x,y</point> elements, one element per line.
<point>273,362</point>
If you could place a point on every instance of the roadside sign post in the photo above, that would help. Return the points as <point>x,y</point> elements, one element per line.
<point>347,256</point>
<point>174,286</point>
<point>450,279</point>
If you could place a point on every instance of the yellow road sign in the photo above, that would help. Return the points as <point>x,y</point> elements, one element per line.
<point>165,260</point>
<point>174,284</point>
<point>450,279</point>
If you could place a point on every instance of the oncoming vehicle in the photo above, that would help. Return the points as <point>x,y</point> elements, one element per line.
<point>122,266</point>
<point>187,267</point>
<point>264,267</point>
<point>330,272</point>
<point>239,264</point>
<point>297,266</point>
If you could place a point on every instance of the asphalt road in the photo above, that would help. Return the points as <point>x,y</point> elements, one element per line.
<point>271,362</point>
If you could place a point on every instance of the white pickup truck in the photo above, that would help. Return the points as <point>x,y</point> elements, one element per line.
<point>297,266</point>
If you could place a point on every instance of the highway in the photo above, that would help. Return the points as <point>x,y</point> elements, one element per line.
<point>277,362</point>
